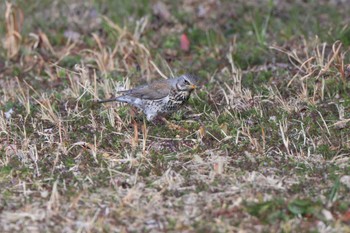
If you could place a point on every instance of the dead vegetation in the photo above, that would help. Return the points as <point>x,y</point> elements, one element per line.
<point>263,146</point>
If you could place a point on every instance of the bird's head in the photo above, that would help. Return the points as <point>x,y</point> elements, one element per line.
<point>187,82</point>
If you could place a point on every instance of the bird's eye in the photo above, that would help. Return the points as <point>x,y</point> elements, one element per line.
<point>187,82</point>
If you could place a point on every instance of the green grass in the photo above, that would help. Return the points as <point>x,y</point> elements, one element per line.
<point>262,146</point>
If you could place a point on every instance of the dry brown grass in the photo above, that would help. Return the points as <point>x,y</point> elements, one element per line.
<point>14,22</point>
<point>244,155</point>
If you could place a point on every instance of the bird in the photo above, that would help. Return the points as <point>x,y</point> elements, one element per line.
<point>159,97</point>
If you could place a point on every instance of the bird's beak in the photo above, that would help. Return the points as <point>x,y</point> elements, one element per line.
<point>192,86</point>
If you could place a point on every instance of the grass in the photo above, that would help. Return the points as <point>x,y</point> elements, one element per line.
<point>262,146</point>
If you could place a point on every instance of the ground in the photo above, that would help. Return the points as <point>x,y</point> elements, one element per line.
<point>262,146</point>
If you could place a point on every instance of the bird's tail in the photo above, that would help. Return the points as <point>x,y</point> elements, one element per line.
<point>119,99</point>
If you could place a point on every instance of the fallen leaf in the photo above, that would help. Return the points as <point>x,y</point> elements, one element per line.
<point>185,43</point>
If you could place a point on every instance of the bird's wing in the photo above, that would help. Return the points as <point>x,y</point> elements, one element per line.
<point>153,91</point>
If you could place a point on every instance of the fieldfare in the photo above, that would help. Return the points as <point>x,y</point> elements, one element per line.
<point>159,97</point>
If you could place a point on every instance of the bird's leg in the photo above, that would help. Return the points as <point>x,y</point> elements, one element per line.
<point>134,116</point>
<point>158,120</point>
<point>144,137</point>
<point>135,139</point>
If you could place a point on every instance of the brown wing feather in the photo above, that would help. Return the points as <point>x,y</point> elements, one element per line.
<point>153,91</point>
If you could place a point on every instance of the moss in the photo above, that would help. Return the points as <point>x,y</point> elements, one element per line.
<point>69,62</point>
